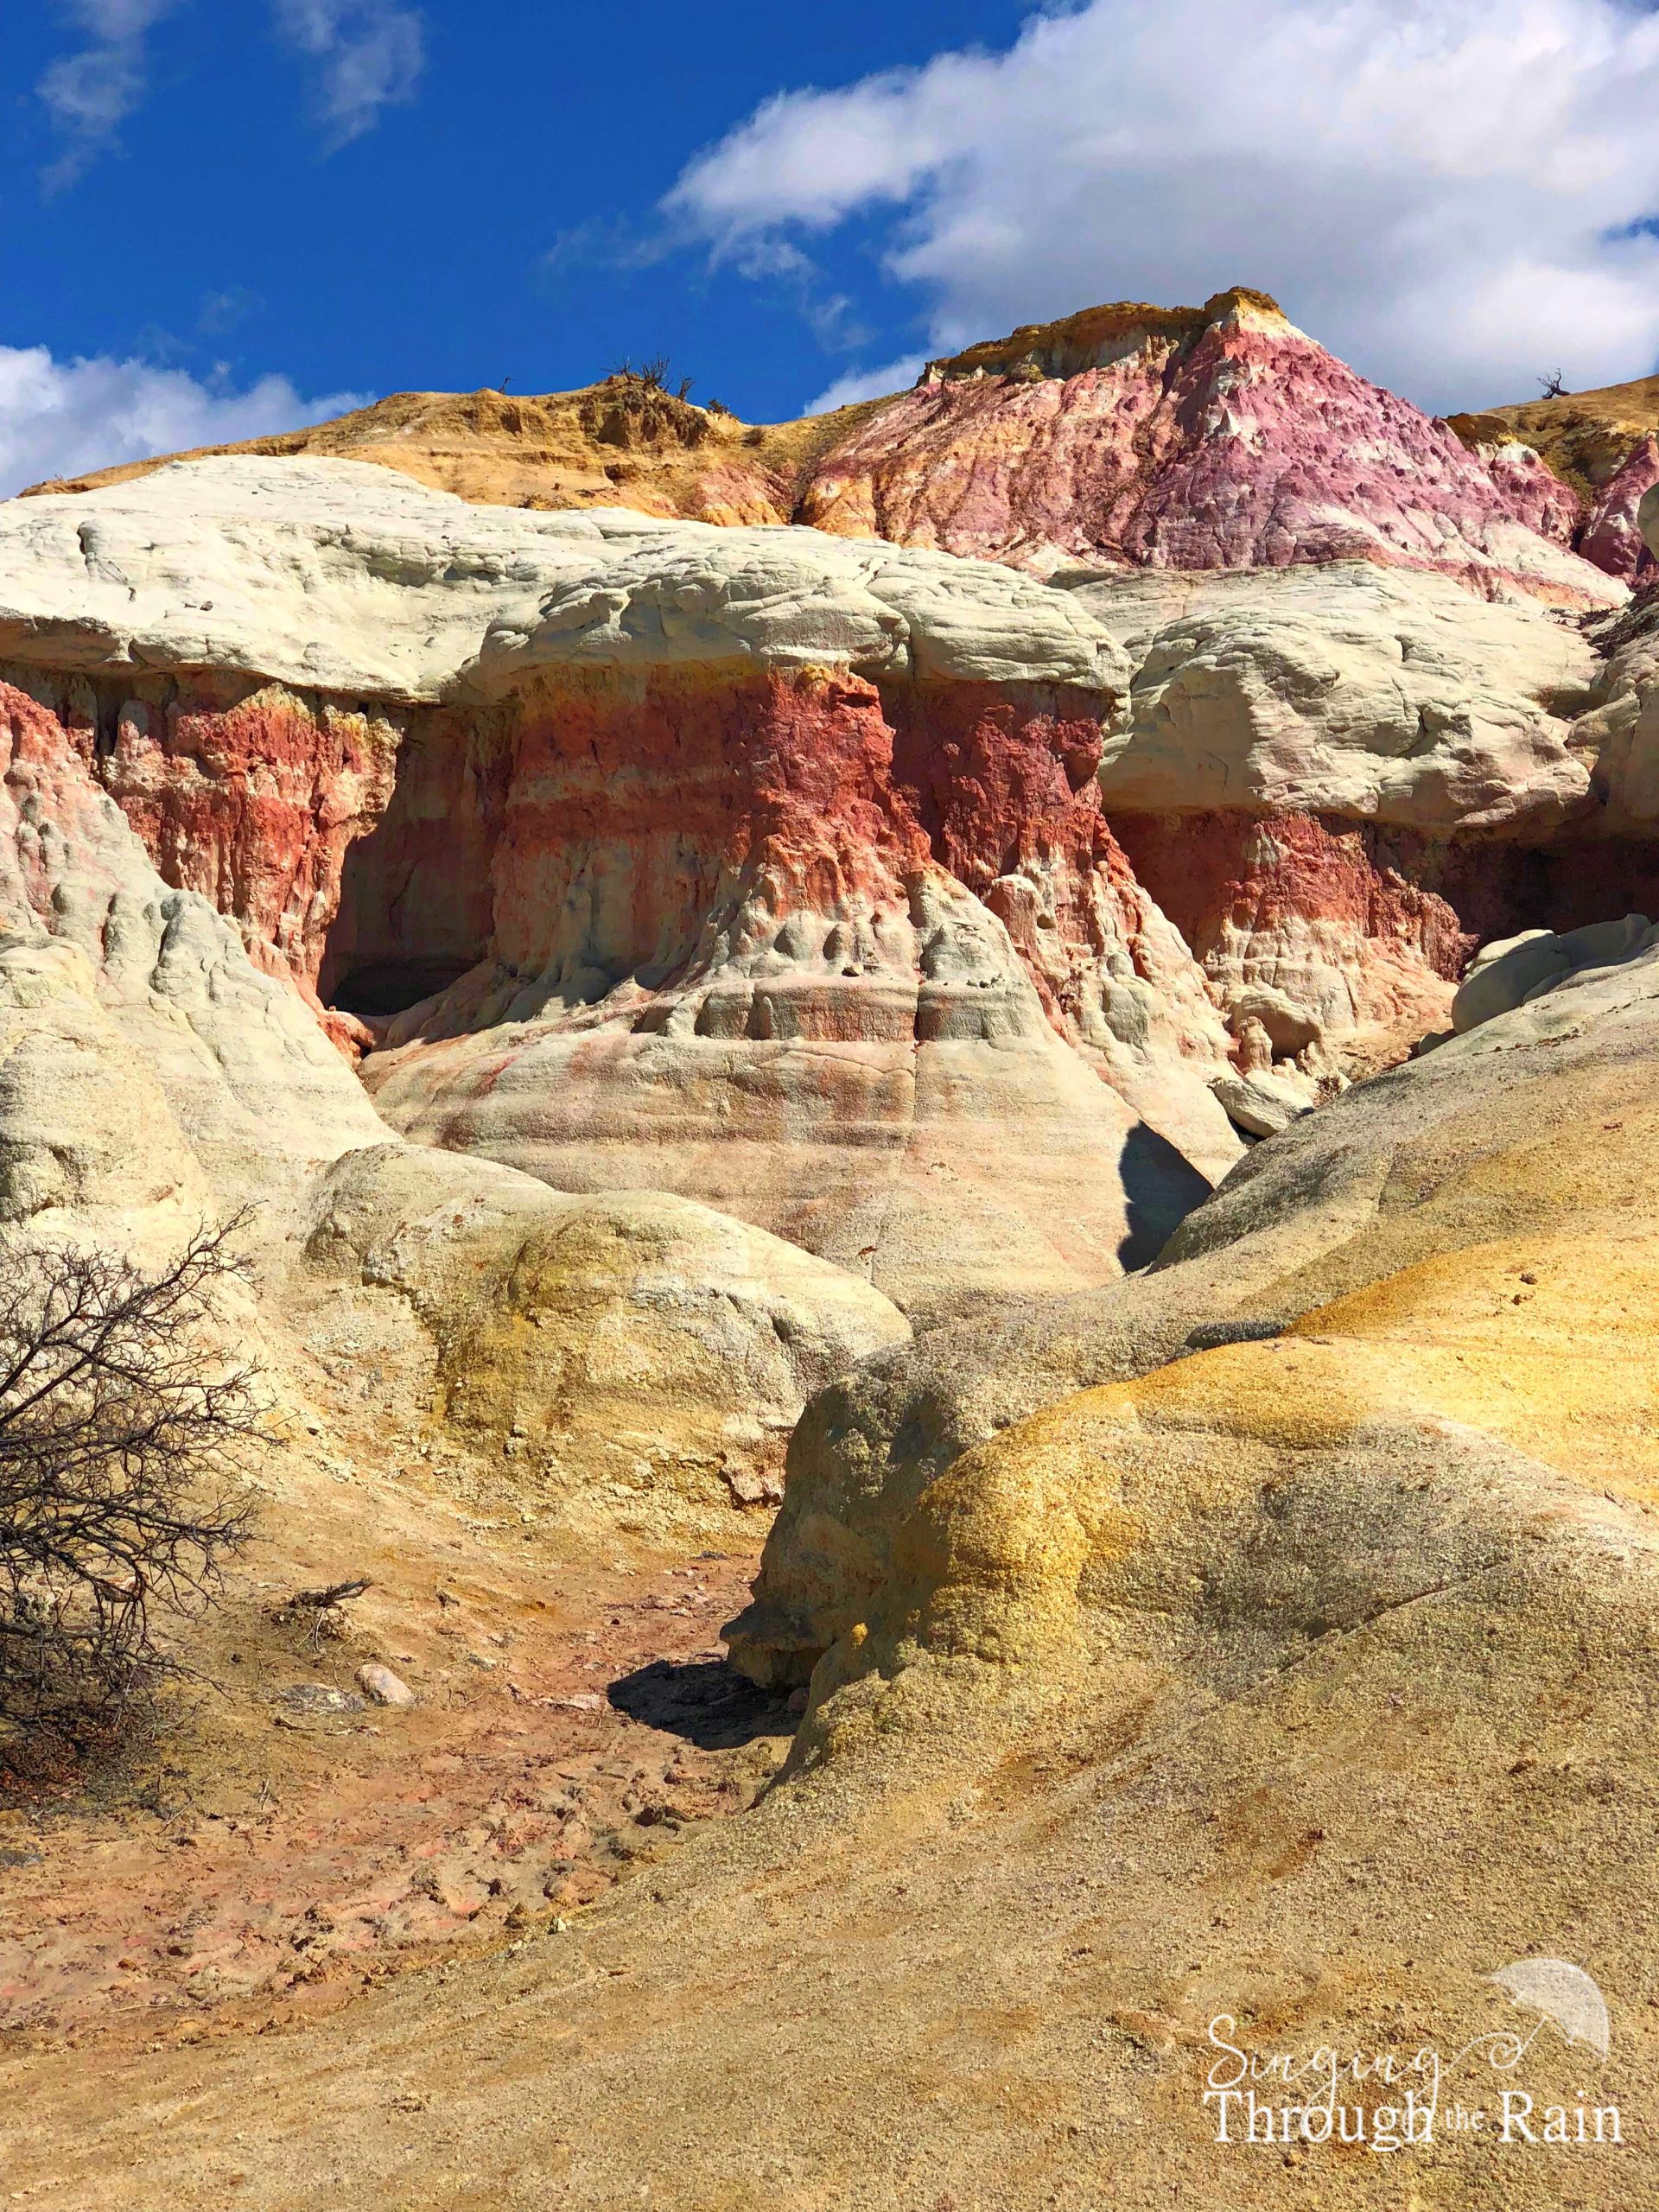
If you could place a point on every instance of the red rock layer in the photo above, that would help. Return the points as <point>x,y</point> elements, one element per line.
<point>250,800</point>
<point>1328,914</point>
<point>776,832</point>
<point>731,957</point>
<point>45,793</point>
<point>1227,440</point>
<point>1005,787</point>
<point>634,810</point>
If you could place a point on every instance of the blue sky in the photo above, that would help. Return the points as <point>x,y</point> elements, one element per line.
<point>220,217</point>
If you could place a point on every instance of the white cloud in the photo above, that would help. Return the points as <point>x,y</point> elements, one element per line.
<point>368,54</point>
<point>90,94</point>
<point>1446,192</point>
<point>868,383</point>
<point>60,418</point>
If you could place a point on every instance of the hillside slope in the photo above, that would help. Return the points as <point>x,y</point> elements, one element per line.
<point>1605,445</point>
<point>1125,435</point>
<point>623,443</point>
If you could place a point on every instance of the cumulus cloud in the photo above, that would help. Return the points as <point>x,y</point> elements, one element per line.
<point>1451,193</point>
<point>368,56</point>
<point>90,94</point>
<point>58,418</point>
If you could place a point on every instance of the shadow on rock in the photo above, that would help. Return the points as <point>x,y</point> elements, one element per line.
<point>1162,1187</point>
<point>704,1700</point>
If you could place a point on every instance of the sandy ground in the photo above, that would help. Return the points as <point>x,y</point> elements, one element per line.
<point>269,1859</point>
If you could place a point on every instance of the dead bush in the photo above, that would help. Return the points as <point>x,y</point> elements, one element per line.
<point>125,1449</point>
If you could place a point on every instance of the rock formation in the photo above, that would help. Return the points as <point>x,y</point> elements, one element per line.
<point>192,1069</point>
<point>1218,437</point>
<point>642,1359</point>
<point>1456,1248</point>
<point>730,842</point>
<point>1511,972</point>
<point>797,875</point>
<point>627,442</point>
<point>1236,1640</point>
<point>1600,444</point>
<point>1232,1672</point>
<point>1613,537</point>
<point>1172,437</point>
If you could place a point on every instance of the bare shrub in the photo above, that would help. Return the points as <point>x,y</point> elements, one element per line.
<point>125,1446</point>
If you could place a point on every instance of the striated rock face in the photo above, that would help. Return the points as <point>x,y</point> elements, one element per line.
<point>1213,438</point>
<point>747,865</point>
<point>637,1360</point>
<point>955,925</point>
<point>1325,780</point>
<point>150,973</point>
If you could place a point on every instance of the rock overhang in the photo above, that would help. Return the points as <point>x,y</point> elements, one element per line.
<point>341,577</point>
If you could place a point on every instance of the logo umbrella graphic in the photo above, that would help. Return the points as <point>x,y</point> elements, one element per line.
<point>1561,1992</point>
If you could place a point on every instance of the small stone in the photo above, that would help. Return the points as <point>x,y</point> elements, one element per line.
<point>381,1686</point>
<point>749,1487</point>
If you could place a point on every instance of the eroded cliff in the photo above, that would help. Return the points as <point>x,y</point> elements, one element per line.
<point>956,924</point>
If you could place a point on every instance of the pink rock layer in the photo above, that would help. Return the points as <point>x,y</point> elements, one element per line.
<point>1224,438</point>
<point>1613,538</point>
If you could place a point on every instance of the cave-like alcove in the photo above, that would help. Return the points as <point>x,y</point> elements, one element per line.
<point>417,905</point>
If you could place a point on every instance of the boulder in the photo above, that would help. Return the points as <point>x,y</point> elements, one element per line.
<point>381,1686</point>
<point>637,1360</point>
<point>1351,691</point>
<point>1513,971</point>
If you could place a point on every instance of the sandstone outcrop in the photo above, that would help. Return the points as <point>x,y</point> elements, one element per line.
<point>1238,1641</point>
<point>1323,777</point>
<point>793,874</point>
<point>1444,1263</point>
<point>759,868</point>
<point>626,441</point>
<point>1217,437</point>
<point>1513,972</point>
<point>1600,444</point>
<point>1168,437</point>
<point>181,1051</point>
<point>639,1359</point>
<point>1613,538</point>
<point>1258,1690</point>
